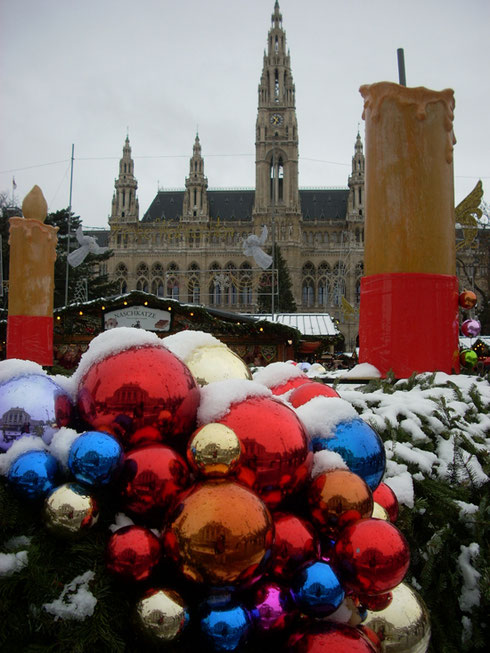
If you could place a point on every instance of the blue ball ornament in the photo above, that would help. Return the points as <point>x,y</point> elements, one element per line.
<point>316,590</point>
<point>34,474</point>
<point>227,628</point>
<point>361,449</point>
<point>32,404</point>
<point>95,458</point>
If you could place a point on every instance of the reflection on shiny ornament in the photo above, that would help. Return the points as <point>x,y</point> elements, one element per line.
<point>162,615</point>
<point>276,459</point>
<point>316,589</point>
<point>227,628</point>
<point>404,626</point>
<point>385,497</point>
<point>379,512</point>
<point>325,637</point>
<point>372,556</point>
<point>218,362</point>
<point>467,299</point>
<point>272,608</point>
<point>214,450</point>
<point>132,553</point>
<point>32,404</point>
<point>471,328</point>
<point>291,384</point>
<point>337,498</point>
<point>34,474</point>
<point>308,391</point>
<point>376,602</point>
<point>140,395</point>
<point>69,511</point>
<point>95,458</point>
<point>361,449</point>
<point>468,358</point>
<point>151,480</point>
<point>222,534</point>
<point>295,543</point>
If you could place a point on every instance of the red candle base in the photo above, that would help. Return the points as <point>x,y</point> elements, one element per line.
<point>409,323</point>
<point>30,337</point>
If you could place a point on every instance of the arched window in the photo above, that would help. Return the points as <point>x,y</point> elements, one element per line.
<point>308,293</point>
<point>245,284</point>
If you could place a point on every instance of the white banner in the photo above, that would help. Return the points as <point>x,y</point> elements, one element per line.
<point>140,317</point>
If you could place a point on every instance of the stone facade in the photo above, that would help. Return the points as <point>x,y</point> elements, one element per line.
<point>189,244</point>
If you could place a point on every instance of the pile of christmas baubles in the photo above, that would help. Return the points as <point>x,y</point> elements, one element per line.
<point>251,512</point>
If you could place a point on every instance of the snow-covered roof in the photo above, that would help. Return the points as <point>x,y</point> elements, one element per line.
<point>308,324</point>
<point>467,343</point>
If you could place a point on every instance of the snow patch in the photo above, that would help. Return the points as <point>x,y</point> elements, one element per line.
<point>11,563</point>
<point>184,343</point>
<point>321,415</point>
<point>218,397</point>
<point>277,374</point>
<point>325,461</point>
<point>76,601</point>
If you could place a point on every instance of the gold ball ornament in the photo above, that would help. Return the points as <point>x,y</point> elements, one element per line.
<point>212,362</point>
<point>404,626</point>
<point>161,615</point>
<point>69,510</point>
<point>379,512</point>
<point>222,534</point>
<point>214,450</point>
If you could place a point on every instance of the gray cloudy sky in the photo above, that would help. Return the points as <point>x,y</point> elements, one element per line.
<point>84,72</point>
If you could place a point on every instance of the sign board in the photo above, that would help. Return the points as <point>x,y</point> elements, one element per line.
<point>140,317</point>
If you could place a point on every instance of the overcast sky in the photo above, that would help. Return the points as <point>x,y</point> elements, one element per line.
<point>85,72</point>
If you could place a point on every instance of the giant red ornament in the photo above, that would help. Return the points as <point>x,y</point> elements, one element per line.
<point>372,556</point>
<point>276,459</point>
<point>142,394</point>
<point>290,384</point>
<point>386,498</point>
<point>295,543</point>
<point>151,480</point>
<point>331,638</point>
<point>308,391</point>
<point>132,553</point>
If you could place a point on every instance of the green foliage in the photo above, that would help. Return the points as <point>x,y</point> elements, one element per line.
<point>284,300</point>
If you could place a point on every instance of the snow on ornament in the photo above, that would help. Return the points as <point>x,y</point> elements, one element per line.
<point>276,459</point>
<point>281,377</point>
<point>208,358</point>
<point>140,394</point>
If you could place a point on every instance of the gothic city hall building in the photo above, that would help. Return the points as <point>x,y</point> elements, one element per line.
<point>189,244</point>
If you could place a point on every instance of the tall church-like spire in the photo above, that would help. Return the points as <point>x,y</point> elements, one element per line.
<point>276,144</point>
<point>195,206</point>
<point>125,206</point>
<point>355,203</point>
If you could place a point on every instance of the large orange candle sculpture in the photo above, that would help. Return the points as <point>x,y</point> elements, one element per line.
<point>31,282</point>
<point>409,296</point>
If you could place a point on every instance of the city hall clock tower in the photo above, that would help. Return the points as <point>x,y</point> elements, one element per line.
<point>276,140</point>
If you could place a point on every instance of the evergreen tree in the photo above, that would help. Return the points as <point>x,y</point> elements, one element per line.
<point>98,285</point>
<point>283,300</point>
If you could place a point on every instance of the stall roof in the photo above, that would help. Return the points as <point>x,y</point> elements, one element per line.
<point>308,324</point>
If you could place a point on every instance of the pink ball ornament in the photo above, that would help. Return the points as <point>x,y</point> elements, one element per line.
<point>471,328</point>
<point>143,394</point>
<point>273,609</point>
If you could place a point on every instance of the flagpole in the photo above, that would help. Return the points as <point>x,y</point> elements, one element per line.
<point>69,226</point>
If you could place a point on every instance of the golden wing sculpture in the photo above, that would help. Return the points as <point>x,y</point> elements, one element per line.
<point>467,214</point>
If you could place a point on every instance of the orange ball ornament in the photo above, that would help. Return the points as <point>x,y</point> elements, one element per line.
<point>467,299</point>
<point>222,534</point>
<point>337,498</point>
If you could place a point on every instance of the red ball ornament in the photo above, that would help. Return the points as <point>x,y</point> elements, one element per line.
<point>295,543</point>
<point>467,299</point>
<point>331,638</point>
<point>132,553</point>
<point>151,480</point>
<point>142,394</point>
<point>276,459</point>
<point>386,498</point>
<point>308,391</point>
<point>371,556</point>
<point>376,602</point>
<point>290,384</point>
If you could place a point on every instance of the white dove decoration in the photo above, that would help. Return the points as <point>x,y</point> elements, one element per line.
<point>88,245</point>
<point>252,246</point>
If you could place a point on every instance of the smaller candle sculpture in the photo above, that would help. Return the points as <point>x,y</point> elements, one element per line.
<point>31,282</point>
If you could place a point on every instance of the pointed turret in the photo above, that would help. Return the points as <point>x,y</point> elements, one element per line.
<point>195,206</point>
<point>125,205</point>
<point>355,205</point>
